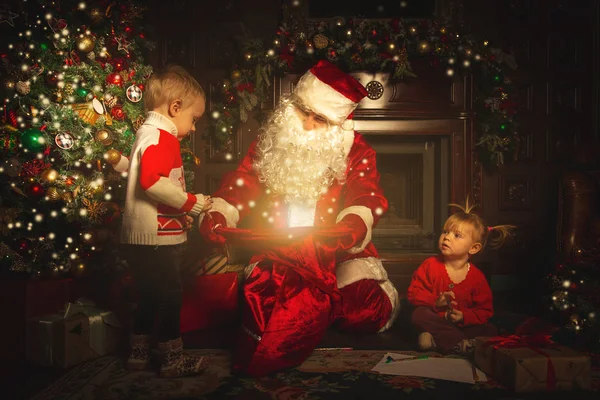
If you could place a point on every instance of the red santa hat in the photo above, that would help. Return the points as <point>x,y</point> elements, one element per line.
<point>330,92</point>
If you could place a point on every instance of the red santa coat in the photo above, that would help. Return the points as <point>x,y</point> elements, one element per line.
<point>243,200</point>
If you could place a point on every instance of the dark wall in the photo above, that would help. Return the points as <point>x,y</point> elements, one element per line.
<point>556,47</point>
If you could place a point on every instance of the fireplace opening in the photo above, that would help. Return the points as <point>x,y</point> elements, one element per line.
<point>415,179</point>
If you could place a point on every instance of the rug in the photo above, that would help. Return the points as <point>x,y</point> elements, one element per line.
<point>324,375</point>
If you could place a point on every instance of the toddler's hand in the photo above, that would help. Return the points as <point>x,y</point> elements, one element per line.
<point>454,315</point>
<point>444,300</point>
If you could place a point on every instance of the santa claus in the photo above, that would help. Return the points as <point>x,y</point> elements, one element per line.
<point>308,168</point>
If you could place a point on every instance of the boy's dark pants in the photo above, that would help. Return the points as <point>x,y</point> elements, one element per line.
<point>446,334</point>
<point>157,279</point>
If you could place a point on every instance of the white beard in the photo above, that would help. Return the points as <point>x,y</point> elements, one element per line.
<point>299,164</point>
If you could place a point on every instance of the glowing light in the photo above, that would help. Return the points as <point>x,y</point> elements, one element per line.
<point>239,182</point>
<point>39,218</point>
<point>566,284</point>
<point>379,211</point>
<point>330,210</point>
<point>251,204</point>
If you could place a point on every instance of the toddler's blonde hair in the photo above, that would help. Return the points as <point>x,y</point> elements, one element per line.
<point>170,84</point>
<point>481,231</point>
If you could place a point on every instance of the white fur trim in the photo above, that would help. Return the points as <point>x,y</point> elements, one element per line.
<point>323,99</point>
<point>249,268</point>
<point>390,290</point>
<point>348,141</point>
<point>231,214</point>
<point>356,269</point>
<point>348,125</point>
<point>367,216</point>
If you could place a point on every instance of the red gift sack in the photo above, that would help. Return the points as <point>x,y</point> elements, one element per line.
<point>210,293</point>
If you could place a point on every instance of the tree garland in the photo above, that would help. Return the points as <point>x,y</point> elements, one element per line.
<point>376,46</point>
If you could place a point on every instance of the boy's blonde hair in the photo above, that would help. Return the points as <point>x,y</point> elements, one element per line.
<point>481,231</point>
<point>170,84</point>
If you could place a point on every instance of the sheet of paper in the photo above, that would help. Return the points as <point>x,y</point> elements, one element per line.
<point>449,369</point>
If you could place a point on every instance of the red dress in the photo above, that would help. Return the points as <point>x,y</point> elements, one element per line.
<point>473,294</point>
<point>293,294</point>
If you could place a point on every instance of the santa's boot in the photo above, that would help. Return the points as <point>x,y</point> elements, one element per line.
<point>139,358</point>
<point>175,363</point>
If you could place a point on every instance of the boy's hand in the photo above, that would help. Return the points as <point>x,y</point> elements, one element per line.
<point>189,221</point>
<point>444,300</point>
<point>208,201</point>
<point>454,315</point>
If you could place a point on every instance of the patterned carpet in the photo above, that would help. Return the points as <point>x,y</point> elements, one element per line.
<point>325,375</point>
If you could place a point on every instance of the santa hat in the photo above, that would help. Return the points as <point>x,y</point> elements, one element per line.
<point>328,91</point>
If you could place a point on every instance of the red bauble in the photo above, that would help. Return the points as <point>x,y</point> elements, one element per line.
<point>114,79</point>
<point>141,86</point>
<point>117,113</point>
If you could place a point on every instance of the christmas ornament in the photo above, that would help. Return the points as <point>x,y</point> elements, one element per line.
<point>49,175</point>
<point>86,112</point>
<point>85,43</point>
<point>23,88</point>
<point>7,16</point>
<point>104,136</point>
<point>321,41</point>
<point>33,139</point>
<point>112,156</point>
<point>134,93</point>
<point>138,122</point>
<point>236,74</point>
<point>67,197</point>
<point>98,106</point>
<point>117,113</point>
<point>9,141</point>
<point>114,79</point>
<point>53,194</point>
<point>110,100</point>
<point>119,64</point>
<point>64,140</point>
<point>34,167</point>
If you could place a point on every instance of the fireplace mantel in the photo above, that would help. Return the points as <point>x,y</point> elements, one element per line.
<point>432,105</point>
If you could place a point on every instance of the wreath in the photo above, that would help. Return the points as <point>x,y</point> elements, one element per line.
<point>376,46</point>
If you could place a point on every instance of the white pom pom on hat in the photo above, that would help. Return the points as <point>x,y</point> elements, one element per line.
<point>329,91</point>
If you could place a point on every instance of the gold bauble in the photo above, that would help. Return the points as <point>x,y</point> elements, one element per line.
<point>104,136</point>
<point>85,43</point>
<point>67,197</point>
<point>321,41</point>
<point>112,156</point>
<point>53,194</point>
<point>49,175</point>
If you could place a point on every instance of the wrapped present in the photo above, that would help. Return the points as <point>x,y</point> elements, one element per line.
<point>80,333</point>
<point>210,293</point>
<point>532,363</point>
<point>22,299</point>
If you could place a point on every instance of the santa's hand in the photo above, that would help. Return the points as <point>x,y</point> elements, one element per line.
<point>357,232</point>
<point>189,220</point>
<point>210,222</point>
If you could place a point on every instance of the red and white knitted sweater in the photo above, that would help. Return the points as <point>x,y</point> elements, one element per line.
<point>156,202</point>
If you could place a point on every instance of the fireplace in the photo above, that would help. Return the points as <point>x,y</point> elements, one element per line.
<point>414,177</point>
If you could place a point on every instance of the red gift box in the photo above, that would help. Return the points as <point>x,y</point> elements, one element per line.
<point>22,299</point>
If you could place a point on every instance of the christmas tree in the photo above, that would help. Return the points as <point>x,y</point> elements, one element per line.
<point>73,76</point>
<point>574,297</point>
